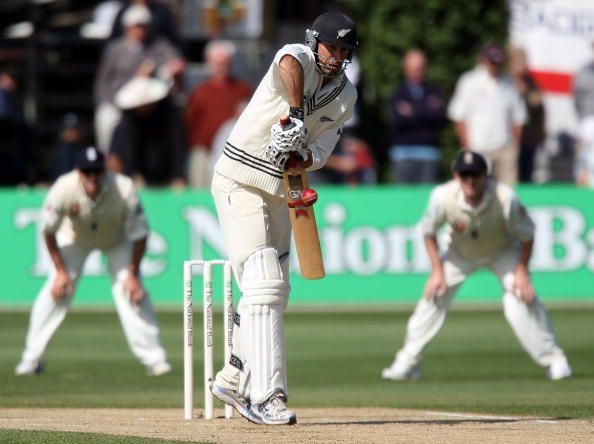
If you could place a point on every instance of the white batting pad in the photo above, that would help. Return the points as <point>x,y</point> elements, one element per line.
<point>265,293</point>
<point>262,337</point>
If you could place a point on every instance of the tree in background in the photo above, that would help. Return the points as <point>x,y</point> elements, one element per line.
<point>451,32</point>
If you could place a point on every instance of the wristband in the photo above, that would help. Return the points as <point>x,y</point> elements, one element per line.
<point>297,113</point>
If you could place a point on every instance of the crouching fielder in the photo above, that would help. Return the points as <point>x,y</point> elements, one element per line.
<point>86,209</point>
<point>307,82</point>
<point>487,227</point>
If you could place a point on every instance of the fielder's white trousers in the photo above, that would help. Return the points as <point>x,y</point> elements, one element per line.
<point>530,323</point>
<point>138,321</point>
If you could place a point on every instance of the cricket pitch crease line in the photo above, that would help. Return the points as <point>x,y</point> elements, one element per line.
<point>502,418</point>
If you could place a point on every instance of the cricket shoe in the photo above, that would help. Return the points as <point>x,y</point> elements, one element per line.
<point>559,369</point>
<point>28,368</point>
<point>158,369</point>
<point>399,372</point>
<point>273,411</point>
<point>232,398</point>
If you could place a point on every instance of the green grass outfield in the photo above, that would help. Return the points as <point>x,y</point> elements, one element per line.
<point>474,365</point>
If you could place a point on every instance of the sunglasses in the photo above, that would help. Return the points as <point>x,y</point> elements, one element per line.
<point>473,174</point>
<point>92,171</point>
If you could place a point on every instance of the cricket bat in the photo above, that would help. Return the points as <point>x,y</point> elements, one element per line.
<point>300,199</point>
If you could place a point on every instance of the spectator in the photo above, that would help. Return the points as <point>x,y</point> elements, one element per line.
<point>15,156</point>
<point>583,96</point>
<point>128,56</point>
<point>488,114</point>
<point>418,115</point>
<point>533,131</point>
<point>210,104</point>
<point>148,143</point>
<point>162,23</point>
<point>69,145</point>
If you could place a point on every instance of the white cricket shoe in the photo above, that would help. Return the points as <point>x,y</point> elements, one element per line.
<point>233,398</point>
<point>158,369</point>
<point>559,369</point>
<point>400,372</point>
<point>28,368</point>
<point>273,411</point>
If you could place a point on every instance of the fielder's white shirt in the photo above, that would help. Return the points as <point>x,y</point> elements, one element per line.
<point>480,233</point>
<point>115,216</point>
<point>326,110</point>
<point>489,106</point>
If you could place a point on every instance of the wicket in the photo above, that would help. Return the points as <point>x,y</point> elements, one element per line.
<point>208,332</point>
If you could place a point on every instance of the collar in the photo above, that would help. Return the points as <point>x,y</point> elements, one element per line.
<point>484,203</point>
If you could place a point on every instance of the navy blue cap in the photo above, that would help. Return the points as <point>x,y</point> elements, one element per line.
<point>470,162</point>
<point>90,159</point>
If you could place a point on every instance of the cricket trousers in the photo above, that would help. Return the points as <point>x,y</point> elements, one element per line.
<point>253,221</point>
<point>530,323</point>
<point>138,321</point>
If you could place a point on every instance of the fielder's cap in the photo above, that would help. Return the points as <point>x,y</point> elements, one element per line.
<point>336,28</point>
<point>136,15</point>
<point>90,159</point>
<point>140,91</point>
<point>493,53</point>
<point>470,162</point>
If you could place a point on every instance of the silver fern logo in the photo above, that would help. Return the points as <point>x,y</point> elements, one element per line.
<point>342,33</point>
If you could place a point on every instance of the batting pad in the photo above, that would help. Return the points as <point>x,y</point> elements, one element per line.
<point>262,337</point>
<point>265,294</point>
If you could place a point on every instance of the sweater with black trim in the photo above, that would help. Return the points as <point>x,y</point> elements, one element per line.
<point>326,109</point>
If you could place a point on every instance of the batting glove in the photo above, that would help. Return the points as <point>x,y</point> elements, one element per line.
<point>280,159</point>
<point>291,136</point>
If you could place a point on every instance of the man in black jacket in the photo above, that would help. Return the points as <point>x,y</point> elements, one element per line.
<point>418,114</point>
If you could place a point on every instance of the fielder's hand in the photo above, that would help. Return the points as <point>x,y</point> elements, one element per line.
<point>62,286</point>
<point>435,286</point>
<point>133,289</point>
<point>523,286</point>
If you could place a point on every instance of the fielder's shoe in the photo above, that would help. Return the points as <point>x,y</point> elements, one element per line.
<point>273,411</point>
<point>559,369</point>
<point>158,369</point>
<point>399,372</point>
<point>232,398</point>
<point>28,368</point>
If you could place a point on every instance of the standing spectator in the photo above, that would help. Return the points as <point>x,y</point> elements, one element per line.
<point>533,131</point>
<point>418,115</point>
<point>16,165</point>
<point>131,55</point>
<point>148,144</point>
<point>210,104</point>
<point>84,210</point>
<point>583,97</point>
<point>488,114</point>
<point>69,145</point>
<point>162,23</point>
<point>487,227</point>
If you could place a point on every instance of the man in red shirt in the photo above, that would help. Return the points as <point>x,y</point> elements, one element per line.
<point>211,104</point>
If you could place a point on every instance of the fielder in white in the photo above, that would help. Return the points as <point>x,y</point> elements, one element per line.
<point>306,82</point>
<point>84,210</point>
<point>487,227</point>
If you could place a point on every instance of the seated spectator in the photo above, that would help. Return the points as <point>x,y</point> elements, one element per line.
<point>131,55</point>
<point>211,104</point>
<point>162,23</point>
<point>418,115</point>
<point>148,143</point>
<point>70,144</point>
<point>16,165</point>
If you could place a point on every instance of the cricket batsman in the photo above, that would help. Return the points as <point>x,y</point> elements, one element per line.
<point>307,83</point>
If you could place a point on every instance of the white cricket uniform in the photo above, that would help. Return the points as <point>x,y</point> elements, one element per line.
<point>486,236</point>
<point>111,223</point>
<point>248,191</point>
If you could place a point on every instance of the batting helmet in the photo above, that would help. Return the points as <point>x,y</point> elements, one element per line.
<point>332,27</point>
